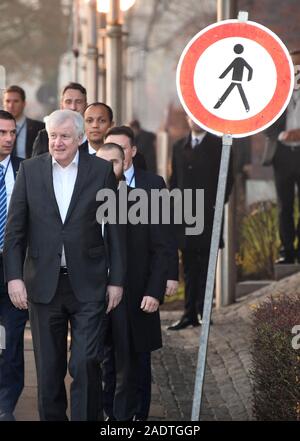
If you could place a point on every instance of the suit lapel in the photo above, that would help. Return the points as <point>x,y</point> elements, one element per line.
<point>83,172</point>
<point>46,171</point>
<point>139,178</point>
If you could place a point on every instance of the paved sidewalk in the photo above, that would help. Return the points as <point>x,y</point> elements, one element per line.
<point>227,389</point>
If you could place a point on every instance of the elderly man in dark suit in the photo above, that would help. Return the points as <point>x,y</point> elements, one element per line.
<point>195,165</point>
<point>14,101</point>
<point>12,319</point>
<point>52,222</point>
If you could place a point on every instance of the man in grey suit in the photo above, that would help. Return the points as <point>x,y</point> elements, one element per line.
<point>52,222</point>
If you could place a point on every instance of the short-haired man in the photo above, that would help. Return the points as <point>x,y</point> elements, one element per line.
<point>134,326</point>
<point>52,221</point>
<point>12,320</point>
<point>14,102</point>
<point>98,118</point>
<point>73,97</point>
<point>146,180</point>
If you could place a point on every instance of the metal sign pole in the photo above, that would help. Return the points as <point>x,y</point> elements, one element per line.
<point>210,282</point>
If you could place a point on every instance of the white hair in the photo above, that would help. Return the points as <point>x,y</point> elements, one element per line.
<point>58,117</point>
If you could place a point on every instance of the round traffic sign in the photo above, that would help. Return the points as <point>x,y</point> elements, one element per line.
<point>235,77</point>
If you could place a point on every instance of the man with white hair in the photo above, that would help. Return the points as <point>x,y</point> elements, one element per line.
<point>52,222</point>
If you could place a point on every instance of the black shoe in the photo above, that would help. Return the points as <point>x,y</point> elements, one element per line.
<point>182,324</point>
<point>285,261</point>
<point>7,416</point>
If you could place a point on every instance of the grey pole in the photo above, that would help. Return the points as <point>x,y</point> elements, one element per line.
<point>92,52</point>
<point>114,65</point>
<point>210,282</point>
<point>226,271</point>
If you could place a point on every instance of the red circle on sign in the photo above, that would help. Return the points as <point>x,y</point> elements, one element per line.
<point>213,34</point>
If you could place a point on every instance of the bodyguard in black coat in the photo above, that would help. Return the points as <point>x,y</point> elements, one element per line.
<point>147,272</point>
<point>195,165</point>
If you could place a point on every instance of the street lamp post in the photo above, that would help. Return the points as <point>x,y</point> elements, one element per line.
<point>92,51</point>
<point>114,53</point>
<point>226,270</point>
<point>114,65</point>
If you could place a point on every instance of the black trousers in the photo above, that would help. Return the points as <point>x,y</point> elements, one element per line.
<point>195,266</point>
<point>120,367</point>
<point>13,321</point>
<point>49,326</point>
<point>287,178</point>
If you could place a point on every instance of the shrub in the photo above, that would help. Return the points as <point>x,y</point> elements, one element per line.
<point>275,364</point>
<point>259,242</point>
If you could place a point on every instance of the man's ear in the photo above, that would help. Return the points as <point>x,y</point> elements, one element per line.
<point>134,150</point>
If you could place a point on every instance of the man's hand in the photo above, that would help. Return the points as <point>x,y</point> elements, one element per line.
<point>17,293</point>
<point>171,288</point>
<point>290,135</point>
<point>149,304</point>
<point>114,295</point>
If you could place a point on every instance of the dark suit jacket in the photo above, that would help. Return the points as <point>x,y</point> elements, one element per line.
<point>146,144</point>
<point>148,181</point>
<point>147,256</point>
<point>198,168</point>
<point>34,226</point>
<point>41,144</point>
<point>33,128</point>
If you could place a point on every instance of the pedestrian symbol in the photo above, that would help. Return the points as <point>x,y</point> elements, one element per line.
<point>235,77</point>
<point>238,65</point>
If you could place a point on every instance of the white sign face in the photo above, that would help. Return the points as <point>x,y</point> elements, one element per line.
<point>235,77</point>
<point>258,90</point>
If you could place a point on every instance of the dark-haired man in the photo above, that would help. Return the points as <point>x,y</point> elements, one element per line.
<point>12,320</point>
<point>73,97</point>
<point>14,102</point>
<point>134,326</point>
<point>98,118</point>
<point>146,180</point>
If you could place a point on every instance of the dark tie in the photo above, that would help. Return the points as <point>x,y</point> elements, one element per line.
<point>195,142</point>
<point>3,205</point>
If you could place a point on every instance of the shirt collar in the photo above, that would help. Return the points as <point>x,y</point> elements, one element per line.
<point>198,136</point>
<point>129,173</point>
<point>73,162</point>
<point>92,151</point>
<point>21,121</point>
<point>5,161</point>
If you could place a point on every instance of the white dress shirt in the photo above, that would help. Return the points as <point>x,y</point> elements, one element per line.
<point>130,177</point>
<point>9,178</point>
<point>64,179</point>
<point>21,137</point>
<point>197,138</point>
<point>92,151</point>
